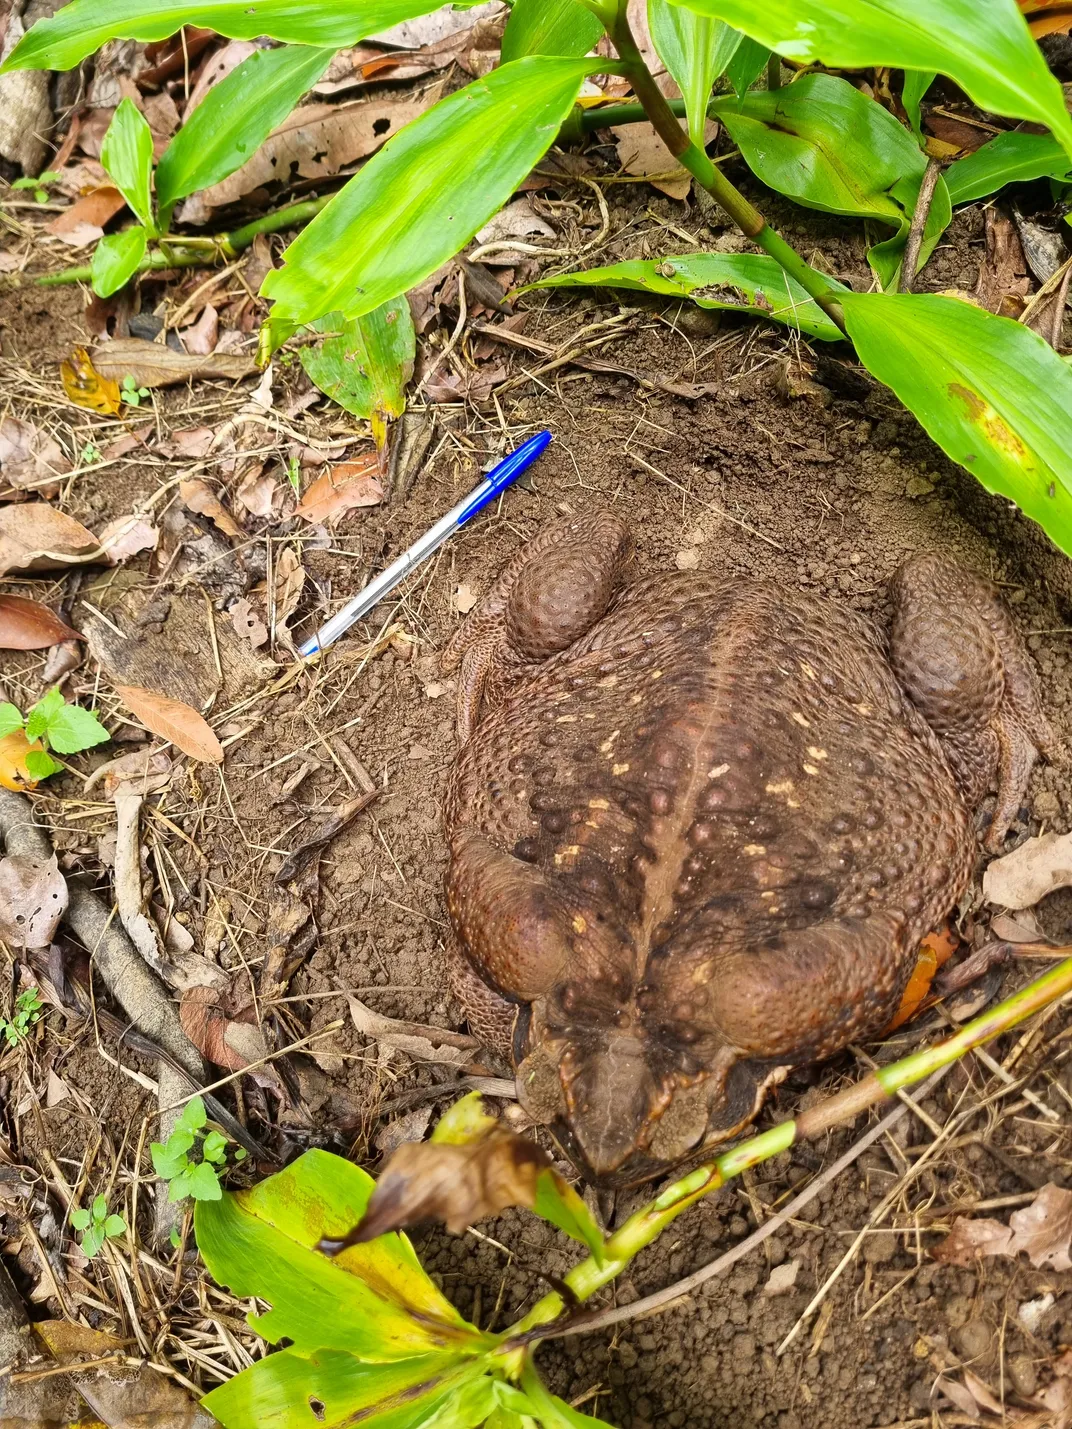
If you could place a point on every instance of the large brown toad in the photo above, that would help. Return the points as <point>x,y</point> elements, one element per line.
<point>699,826</point>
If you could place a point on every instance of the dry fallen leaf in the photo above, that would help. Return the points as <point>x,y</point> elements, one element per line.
<point>423,1043</point>
<point>1042,1230</point>
<point>643,154</point>
<point>247,621</point>
<point>199,497</point>
<point>970,1239</point>
<point>14,748</point>
<point>30,458</point>
<point>173,720</point>
<point>256,493</point>
<point>288,585</point>
<point>1039,866</point>
<point>83,223</point>
<point>411,1126</point>
<point>33,899</point>
<point>126,536</point>
<point>88,388</point>
<point>25,625</point>
<point>152,365</point>
<point>36,537</point>
<point>516,220</point>
<point>464,599</point>
<point>193,442</point>
<point>142,771</point>
<point>352,483</point>
<point>201,337</point>
<point>225,1041</point>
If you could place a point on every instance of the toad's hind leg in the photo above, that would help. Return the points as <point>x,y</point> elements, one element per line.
<point>547,596</point>
<point>960,660</point>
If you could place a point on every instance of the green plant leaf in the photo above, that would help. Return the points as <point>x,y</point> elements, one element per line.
<point>179,1185</point>
<point>80,1219</point>
<point>992,393</point>
<point>737,282</point>
<point>372,1300</point>
<point>114,1225</point>
<point>987,49</point>
<point>1006,159</point>
<point>554,1413</point>
<point>830,147</point>
<point>40,765</point>
<point>45,710</point>
<point>127,154</point>
<point>167,1164</point>
<point>366,365</point>
<point>332,1389</point>
<point>10,718</point>
<point>100,1208</point>
<point>557,1202</point>
<point>214,1146</point>
<point>192,1118</point>
<point>115,260</point>
<point>696,50</point>
<point>204,1183</point>
<point>72,728</point>
<point>748,63</point>
<point>549,27</point>
<point>916,84</point>
<point>235,118</point>
<point>92,1241</point>
<point>423,196</point>
<point>468,1120</point>
<point>84,25</point>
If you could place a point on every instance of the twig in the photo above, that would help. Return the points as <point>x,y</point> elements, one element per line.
<point>919,222</point>
<point>1059,310</point>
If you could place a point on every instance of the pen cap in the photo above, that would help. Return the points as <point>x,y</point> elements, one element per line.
<point>508,470</point>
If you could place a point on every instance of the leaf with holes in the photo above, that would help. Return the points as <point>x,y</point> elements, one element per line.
<point>992,393</point>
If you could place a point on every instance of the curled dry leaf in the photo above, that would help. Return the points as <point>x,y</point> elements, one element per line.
<point>423,1043</point>
<point>30,458</point>
<point>201,337</point>
<point>83,223</point>
<point>227,1042</point>
<point>142,771</point>
<point>33,899</point>
<point>36,537</point>
<point>126,536</point>
<point>1039,866</point>
<point>352,483</point>
<point>193,442</point>
<point>257,493</point>
<point>456,1184</point>
<point>173,720</point>
<point>151,365</point>
<point>25,625</point>
<point>287,589</point>
<point>247,621</point>
<point>198,496</point>
<point>1042,1230</point>
<point>61,660</point>
<point>88,388</point>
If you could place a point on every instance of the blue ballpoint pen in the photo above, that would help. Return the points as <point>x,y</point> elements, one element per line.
<point>496,481</point>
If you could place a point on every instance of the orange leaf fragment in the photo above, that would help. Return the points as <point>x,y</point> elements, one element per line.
<point>352,483</point>
<point>85,386</point>
<point>14,748</point>
<point>26,625</point>
<point>173,720</point>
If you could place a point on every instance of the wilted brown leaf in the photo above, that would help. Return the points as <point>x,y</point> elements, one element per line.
<point>225,1041</point>
<point>256,493</point>
<point>25,625</point>
<point>30,458</point>
<point>201,337</point>
<point>36,537</point>
<point>142,771</point>
<point>459,1185</point>
<point>289,583</point>
<point>642,153</point>
<point>1021,878</point>
<point>424,1043</point>
<point>193,442</point>
<point>352,483</point>
<point>33,899</point>
<point>83,223</point>
<point>88,388</point>
<point>126,536</point>
<point>173,720</point>
<point>970,1239</point>
<point>200,497</point>
<point>152,365</point>
<point>1042,1230</point>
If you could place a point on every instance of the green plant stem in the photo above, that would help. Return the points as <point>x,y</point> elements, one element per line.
<point>651,1220</point>
<point>225,245</point>
<point>774,72</point>
<point>747,218</point>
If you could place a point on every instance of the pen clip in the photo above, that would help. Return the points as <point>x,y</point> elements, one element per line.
<point>508,470</point>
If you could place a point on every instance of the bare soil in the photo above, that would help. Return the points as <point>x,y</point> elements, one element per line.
<point>828,492</point>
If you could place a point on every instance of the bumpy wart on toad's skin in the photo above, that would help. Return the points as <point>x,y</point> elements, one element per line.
<point>699,826</point>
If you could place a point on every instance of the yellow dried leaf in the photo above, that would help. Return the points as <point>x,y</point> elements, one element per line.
<point>85,386</point>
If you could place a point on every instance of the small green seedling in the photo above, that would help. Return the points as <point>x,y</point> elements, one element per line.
<point>131,393</point>
<point>39,185</point>
<point>294,475</point>
<point>90,454</point>
<point>27,1012</point>
<point>58,725</point>
<point>97,1226</point>
<point>197,1176</point>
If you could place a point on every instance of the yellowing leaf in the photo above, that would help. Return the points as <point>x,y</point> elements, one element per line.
<point>85,386</point>
<point>14,748</point>
<point>172,720</point>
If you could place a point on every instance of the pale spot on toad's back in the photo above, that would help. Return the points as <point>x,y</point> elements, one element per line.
<point>784,786</point>
<point>620,769</point>
<point>598,804</point>
<point>718,771</point>
<point>816,752</point>
<point>579,925</point>
<point>800,719</point>
<point>753,850</point>
<point>608,743</point>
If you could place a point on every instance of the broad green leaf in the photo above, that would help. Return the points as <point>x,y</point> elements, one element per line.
<point>371,1300</point>
<point>114,1225</point>
<point>696,50</point>
<point>127,154</point>
<point>423,196</point>
<point>179,1186</point>
<point>115,260</point>
<point>10,718</point>
<point>367,363</point>
<point>737,282</point>
<point>80,1219</point>
<point>84,25</point>
<point>1006,159</point>
<point>830,147</point>
<point>747,64</point>
<point>72,728</point>
<point>916,84</point>
<point>332,1389</point>
<point>992,393</point>
<point>549,27</point>
<point>235,118</point>
<point>557,1202</point>
<point>40,765</point>
<point>100,1208</point>
<point>92,1241</point>
<point>465,1122</point>
<point>213,1146</point>
<point>46,708</point>
<point>192,1118</point>
<point>984,45</point>
<point>554,1413</point>
<point>204,1184</point>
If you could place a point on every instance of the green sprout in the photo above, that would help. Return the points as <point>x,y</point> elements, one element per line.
<point>294,475</point>
<point>90,454</point>
<point>39,185</point>
<point>132,394</point>
<point>199,1176</point>
<point>27,1011</point>
<point>64,727</point>
<point>97,1226</point>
